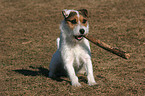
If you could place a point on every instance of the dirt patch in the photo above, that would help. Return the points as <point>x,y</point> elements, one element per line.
<point>28,32</point>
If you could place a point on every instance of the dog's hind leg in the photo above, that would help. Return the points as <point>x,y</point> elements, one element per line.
<point>82,71</point>
<point>52,69</point>
<point>54,64</point>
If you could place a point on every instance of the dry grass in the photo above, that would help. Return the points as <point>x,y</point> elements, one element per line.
<point>29,28</point>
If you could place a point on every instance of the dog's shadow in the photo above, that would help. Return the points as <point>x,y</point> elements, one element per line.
<point>36,71</point>
<point>41,71</point>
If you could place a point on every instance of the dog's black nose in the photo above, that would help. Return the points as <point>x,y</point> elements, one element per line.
<point>82,31</point>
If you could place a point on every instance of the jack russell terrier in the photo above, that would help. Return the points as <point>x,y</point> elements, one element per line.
<point>73,50</point>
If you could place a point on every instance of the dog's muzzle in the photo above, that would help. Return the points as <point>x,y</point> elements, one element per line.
<point>79,37</point>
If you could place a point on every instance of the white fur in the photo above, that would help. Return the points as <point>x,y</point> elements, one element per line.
<point>72,56</point>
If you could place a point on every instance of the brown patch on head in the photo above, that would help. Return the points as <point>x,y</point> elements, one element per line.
<point>83,20</point>
<point>83,12</point>
<point>83,16</point>
<point>72,19</point>
<point>72,14</point>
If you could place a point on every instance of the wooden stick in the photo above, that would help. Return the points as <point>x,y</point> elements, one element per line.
<point>107,47</point>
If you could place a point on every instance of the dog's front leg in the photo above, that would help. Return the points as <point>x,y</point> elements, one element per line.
<point>68,64</point>
<point>89,69</point>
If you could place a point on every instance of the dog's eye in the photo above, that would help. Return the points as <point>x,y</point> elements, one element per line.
<point>84,21</point>
<point>73,21</point>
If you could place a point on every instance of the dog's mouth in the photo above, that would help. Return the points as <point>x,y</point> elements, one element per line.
<point>79,37</point>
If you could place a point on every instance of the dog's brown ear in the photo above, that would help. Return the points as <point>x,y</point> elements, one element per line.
<point>84,12</point>
<point>65,13</point>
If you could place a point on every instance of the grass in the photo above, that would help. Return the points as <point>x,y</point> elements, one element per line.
<point>28,32</point>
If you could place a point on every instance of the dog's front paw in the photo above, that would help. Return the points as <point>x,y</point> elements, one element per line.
<point>91,83</point>
<point>76,84</point>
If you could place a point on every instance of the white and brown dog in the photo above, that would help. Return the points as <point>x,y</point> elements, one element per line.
<point>73,54</point>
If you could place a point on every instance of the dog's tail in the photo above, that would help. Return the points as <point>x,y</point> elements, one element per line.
<point>57,41</point>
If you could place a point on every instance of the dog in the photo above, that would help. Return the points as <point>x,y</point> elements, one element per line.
<point>73,54</point>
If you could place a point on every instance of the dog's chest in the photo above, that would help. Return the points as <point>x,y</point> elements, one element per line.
<point>78,51</point>
<point>78,54</point>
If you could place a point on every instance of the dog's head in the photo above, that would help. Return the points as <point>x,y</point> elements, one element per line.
<point>77,22</point>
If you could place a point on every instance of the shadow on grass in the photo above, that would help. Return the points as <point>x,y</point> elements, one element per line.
<point>39,71</point>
